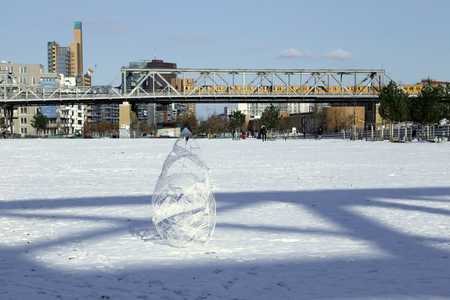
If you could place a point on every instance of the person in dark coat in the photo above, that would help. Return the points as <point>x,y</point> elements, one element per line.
<point>319,132</point>
<point>263,133</point>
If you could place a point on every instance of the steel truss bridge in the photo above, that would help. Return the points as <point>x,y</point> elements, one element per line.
<point>207,86</point>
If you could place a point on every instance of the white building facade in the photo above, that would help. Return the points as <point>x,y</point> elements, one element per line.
<point>255,110</point>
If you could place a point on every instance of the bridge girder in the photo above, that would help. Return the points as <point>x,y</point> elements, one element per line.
<point>210,86</point>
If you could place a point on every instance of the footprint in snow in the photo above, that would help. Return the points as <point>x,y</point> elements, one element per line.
<point>229,283</point>
<point>283,285</point>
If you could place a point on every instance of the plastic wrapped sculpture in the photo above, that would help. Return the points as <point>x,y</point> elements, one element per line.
<point>184,207</point>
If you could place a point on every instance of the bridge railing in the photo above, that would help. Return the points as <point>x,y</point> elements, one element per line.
<point>60,94</point>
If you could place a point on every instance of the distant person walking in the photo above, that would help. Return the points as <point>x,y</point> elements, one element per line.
<point>319,132</point>
<point>263,133</point>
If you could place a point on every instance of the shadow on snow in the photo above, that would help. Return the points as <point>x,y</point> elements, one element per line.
<point>423,272</point>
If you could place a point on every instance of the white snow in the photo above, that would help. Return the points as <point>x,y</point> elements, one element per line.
<point>296,219</point>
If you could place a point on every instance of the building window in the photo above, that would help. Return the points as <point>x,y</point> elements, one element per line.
<point>10,69</point>
<point>23,120</point>
<point>79,115</point>
<point>23,110</point>
<point>33,80</point>
<point>79,107</point>
<point>22,80</point>
<point>23,130</point>
<point>23,70</point>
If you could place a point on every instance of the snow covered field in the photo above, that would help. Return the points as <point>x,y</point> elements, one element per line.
<point>300,219</point>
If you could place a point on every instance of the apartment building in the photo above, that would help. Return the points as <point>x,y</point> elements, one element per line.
<point>31,75</point>
<point>63,119</point>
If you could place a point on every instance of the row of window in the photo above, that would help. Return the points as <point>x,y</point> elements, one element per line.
<point>22,70</point>
<point>24,110</point>
<point>276,88</point>
<point>24,129</point>
<point>22,80</point>
<point>80,115</point>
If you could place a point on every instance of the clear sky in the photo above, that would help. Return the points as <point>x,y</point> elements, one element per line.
<point>407,38</point>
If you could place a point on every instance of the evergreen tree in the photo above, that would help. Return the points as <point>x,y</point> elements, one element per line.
<point>427,108</point>
<point>236,119</point>
<point>446,103</point>
<point>393,103</point>
<point>271,117</point>
<point>39,122</point>
<point>446,108</point>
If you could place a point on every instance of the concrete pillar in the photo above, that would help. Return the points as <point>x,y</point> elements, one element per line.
<point>128,121</point>
<point>124,120</point>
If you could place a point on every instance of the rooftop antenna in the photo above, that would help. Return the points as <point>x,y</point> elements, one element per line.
<point>155,53</point>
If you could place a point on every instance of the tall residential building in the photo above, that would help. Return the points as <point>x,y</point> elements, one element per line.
<point>154,85</point>
<point>58,59</point>
<point>68,61</point>
<point>168,113</point>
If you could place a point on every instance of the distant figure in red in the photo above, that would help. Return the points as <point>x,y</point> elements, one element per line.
<point>264,133</point>
<point>243,135</point>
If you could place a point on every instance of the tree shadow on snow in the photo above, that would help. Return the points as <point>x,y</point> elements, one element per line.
<point>410,267</point>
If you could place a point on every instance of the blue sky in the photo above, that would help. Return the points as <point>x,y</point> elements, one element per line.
<point>409,39</point>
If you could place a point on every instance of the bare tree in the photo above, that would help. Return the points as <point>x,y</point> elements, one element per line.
<point>212,125</point>
<point>336,119</point>
<point>143,127</point>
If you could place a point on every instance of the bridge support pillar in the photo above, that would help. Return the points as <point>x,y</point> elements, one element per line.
<point>128,121</point>
<point>8,116</point>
